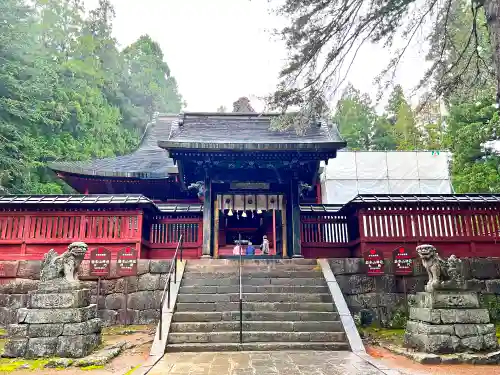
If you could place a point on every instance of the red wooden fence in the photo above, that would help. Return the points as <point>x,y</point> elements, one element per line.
<point>164,235</point>
<point>324,236</point>
<point>29,235</point>
<point>463,232</point>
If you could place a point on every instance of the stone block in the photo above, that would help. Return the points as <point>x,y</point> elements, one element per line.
<point>465,330</point>
<point>474,343</point>
<point>45,330</point>
<point>17,330</point>
<point>492,286</point>
<point>159,266</point>
<point>385,284</point>
<point>483,268</point>
<point>356,284</point>
<point>412,284</point>
<point>448,299</point>
<point>132,284</point>
<point>484,329</point>
<point>347,266</point>
<point>61,286</point>
<point>8,268</point>
<point>83,328</point>
<point>99,302</point>
<point>128,317</point>
<point>7,316</point>
<point>490,341</point>
<point>149,282</point>
<point>429,329</point>
<point>73,315</point>
<point>148,317</point>
<point>425,315</point>
<point>29,269</point>
<point>115,301</point>
<point>4,300</point>
<point>432,343</point>
<point>145,300</point>
<point>464,316</point>
<point>108,286</point>
<point>142,266</point>
<point>359,301</point>
<point>77,298</point>
<point>77,346</point>
<point>475,285</point>
<point>108,317</point>
<point>15,348</point>
<point>16,301</point>
<point>19,286</point>
<point>41,347</point>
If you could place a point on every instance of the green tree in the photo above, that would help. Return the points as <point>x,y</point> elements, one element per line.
<point>68,93</point>
<point>354,117</point>
<point>471,127</point>
<point>323,37</point>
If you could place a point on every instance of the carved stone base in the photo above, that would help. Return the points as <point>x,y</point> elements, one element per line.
<point>62,324</point>
<point>449,322</point>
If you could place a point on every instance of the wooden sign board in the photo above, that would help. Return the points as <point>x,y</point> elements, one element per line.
<point>100,262</point>
<point>126,264</point>
<point>374,262</point>
<point>402,261</point>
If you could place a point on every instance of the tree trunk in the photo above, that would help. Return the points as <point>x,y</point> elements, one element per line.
<point>492,12</point>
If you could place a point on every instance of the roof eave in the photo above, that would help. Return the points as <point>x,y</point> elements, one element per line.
<point>103,173</point>
<point>293,146</point>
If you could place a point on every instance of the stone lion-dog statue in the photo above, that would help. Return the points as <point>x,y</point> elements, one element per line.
<point>442,273</point>
<point>63,267</point>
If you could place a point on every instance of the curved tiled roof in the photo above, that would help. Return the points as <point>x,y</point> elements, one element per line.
<point>246,131</point>
<point>149,161</point>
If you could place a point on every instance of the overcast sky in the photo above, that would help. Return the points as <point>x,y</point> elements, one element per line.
<point>219,50</point>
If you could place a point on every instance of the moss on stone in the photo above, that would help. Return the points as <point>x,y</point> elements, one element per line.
<point>389,335</point>
<point>90,368</point>
<point>3,332</point>
<point>125,330</point>
<point>8,365</point>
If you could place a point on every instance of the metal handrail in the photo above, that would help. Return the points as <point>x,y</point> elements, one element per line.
<point>166,288</point>
<point>241,291</point>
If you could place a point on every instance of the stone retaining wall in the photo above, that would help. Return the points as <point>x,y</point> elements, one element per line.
<point>143,297</point>
<point>384,296</point>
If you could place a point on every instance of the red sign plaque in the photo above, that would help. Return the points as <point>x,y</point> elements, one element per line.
<point>402,261</point>
<point>374,261</point>
<point>100,262</point>
<point>127,262</point>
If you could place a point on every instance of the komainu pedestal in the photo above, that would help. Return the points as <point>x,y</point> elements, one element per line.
<point>59,319</point>
<point>447,317</point>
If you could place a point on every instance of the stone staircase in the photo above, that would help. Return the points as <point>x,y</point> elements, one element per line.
<point>286,305</point>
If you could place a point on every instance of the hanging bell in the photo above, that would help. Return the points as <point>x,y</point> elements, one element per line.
<point>230,213</point>
<point>244,214</point>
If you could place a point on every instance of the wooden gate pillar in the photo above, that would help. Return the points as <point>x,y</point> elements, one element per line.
<point>207,218</point>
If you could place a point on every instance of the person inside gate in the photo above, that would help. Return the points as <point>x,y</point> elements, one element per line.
<point>265,245</point>
<point>250,249</point>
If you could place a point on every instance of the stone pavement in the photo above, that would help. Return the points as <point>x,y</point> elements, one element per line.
<point>267,363</point>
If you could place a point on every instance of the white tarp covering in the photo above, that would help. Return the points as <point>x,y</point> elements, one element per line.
<point>379,172</point>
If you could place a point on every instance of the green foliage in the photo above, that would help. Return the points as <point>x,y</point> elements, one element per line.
<point>470,127</point>
<point>68,93</point>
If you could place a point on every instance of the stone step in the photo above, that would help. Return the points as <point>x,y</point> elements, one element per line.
<point>254,297</point>
<point>234,281</point>
<point>314,289</point>
<point>234,262</point>
<point>250,274</point>
<point>255,306</point>
<point>254,336</point>
<point>264,346</point>
<point>225,326</point>
<point>201,316</point>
